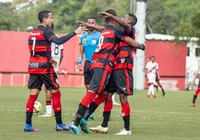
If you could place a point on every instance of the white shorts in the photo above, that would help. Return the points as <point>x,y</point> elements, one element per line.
<point>151,78</point>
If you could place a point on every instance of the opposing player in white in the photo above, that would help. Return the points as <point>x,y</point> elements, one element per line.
<point>57,56</point>
<point>152,68</point>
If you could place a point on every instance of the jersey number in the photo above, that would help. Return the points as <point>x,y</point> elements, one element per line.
<point>100,43</point>
<point>56,50</point>
<point>33,45</point>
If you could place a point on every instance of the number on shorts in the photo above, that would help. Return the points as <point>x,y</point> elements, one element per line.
<point>56,50</point>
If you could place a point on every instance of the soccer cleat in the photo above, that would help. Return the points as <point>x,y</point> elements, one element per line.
<point>30,128</point>
<point>193,105</point>
<point>149,96</point>
<point>99,129</point>
<point>45,115</point>
<point>124,132</point>
<point>153,96</point>
<point>75,128</point>
<point>116,104</point>
<point>163,94</point>
<point>62,127</point>
<point>83,125</point>
<point>91,117</point>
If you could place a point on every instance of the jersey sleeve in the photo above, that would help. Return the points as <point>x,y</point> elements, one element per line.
<point>157,66</point>
<point>81,40</point>
<point>147,66</point>
<point>48,34</point>
<point>61,47</point>
<point>120,34</point>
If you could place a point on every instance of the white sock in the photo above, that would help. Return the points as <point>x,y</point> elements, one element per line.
<point>149,90</point>
<point>49,109</point>
<point>113,98</point>
<point>152,89</point>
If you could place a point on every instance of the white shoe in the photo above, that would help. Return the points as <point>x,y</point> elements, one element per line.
<point>124,132</point>
<point>99,129</point>
<point>116,104</point>
<point>45,115</point>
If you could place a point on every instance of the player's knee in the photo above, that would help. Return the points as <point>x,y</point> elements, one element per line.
<point>123,98</point>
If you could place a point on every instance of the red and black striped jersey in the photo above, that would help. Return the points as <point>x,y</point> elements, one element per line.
<point>106,52</point>
<point>39,42</point>
<point>125,56</point>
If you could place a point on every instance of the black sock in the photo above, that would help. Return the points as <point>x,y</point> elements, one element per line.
<point>194,99</point>
<point>163,91</point>
<point>58,117</point>
<point>106,117</point>
<point>79,114</point>
<point>29,117</point>
<point>126,122</point>
<point>93,106</point>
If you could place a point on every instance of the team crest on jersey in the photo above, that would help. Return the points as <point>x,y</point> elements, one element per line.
<point>94,41</point>
<point>84,41</point>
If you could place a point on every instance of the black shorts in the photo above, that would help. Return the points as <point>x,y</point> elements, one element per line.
<point>49,80</point>
<point>121,82</point>
<point>87,73</point>
<point>99,80</point>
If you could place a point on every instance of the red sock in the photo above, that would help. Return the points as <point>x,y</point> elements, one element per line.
<point>197,91</point>
<point>100,98</point>
<point>87,99</point>
<point>160,85</point>
<point>30,103</point>
<point>125,109</point>
<point>56,102</point>
<point>108,106</point>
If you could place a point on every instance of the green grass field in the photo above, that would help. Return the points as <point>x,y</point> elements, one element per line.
<point>168,118</point>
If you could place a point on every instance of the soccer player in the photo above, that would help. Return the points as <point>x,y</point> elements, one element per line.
<point>152,69</point>
<point>40,68</point>
<point>195,95</point>
<point>57,56</point>
<point>88,43</point>
<point>121,80</point>
<point>102,65</point>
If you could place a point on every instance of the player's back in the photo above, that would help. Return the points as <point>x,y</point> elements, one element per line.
<point>125,56</point>
<point>40,51</point>
<point>106,52</point>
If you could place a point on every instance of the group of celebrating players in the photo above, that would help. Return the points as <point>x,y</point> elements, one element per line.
<point>107,69</point>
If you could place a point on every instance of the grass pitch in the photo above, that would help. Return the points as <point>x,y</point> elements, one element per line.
<point>162,118</point>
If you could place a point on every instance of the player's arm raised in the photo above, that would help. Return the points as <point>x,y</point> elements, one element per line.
<point>65,38</point>
<point>98,28</point>
<point>126,26</point>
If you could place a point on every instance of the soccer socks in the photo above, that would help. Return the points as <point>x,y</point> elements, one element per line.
<point>86,100</point>
<point>152,89</point>
<point>56,103</point>
<point>48,107</point>
<point>106,112</point>
<point>197,91</point>
<point>94,104</point>
<point>194,99</point>
<point>30,107</point>
<point>126,115</point>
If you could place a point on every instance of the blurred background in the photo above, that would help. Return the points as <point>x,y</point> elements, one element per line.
<point>170,29</point>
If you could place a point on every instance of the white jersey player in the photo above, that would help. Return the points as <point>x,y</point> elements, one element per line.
<point>57,55</point>
<point>152,69</point>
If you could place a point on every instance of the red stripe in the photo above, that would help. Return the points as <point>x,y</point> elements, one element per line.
<point>123,65</point>
<point>123,54</point>
<point>108,33</point>
<point>101,65</point>
<point>127,81</point>
<point>108,46</point>
<point>39,70</point>
<point>39,59</point>
<point>98,55</point>
<point>102,84</point>
<point>51,37</point>
<point>53,80</point>
<point>38,37</point>
<point>38,48</point>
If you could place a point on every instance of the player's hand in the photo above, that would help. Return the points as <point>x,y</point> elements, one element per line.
<point>104,14</point>
<point>81,23</point>
<point>142,47</point>
<point>80,30</point>
<point>54,62</point>
<point>78,67</point>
